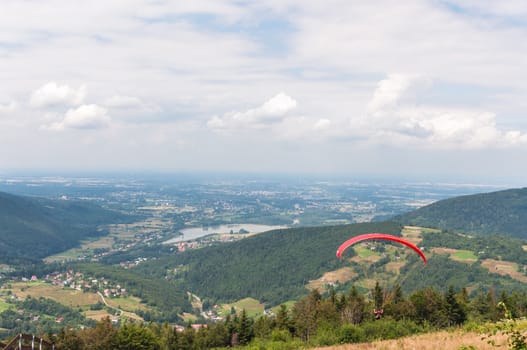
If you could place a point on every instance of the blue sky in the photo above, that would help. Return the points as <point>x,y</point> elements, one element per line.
<point>423,89</point>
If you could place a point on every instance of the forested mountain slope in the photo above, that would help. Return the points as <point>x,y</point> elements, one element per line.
<point>33,227</point>
<point>502,212</point>
<point>272,267</point>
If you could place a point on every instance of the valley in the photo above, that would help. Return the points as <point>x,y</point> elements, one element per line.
<point>204,253</point>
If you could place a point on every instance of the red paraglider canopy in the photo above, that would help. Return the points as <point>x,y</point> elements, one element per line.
<point>383,236</point>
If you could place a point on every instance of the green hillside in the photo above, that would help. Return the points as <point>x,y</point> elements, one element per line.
<point>502,212</point>
<point>277,266</point>
<point>37,227</point>
<point>271,267</point>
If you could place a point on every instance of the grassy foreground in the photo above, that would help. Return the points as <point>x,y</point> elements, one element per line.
<point>431,341</point>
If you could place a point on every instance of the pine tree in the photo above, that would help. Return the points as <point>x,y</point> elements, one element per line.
<point>455,313</point>
<point>245,329</point>
<point>378,297</point>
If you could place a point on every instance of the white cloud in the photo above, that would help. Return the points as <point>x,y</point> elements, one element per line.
<point>52,94</point>
<point>119,101</point>
<point>271,112</point>
<point>399,120</point>
<point>389,91</point>
<point>83,117</point>
<point>7,107</point>
<point>201,58</point>
<point>322,124</point>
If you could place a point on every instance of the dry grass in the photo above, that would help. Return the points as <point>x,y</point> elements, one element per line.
<point>504,268</point>
<point>65,296</point>
<point>395,266</point>
<point>97,315</point>
<point>524,247</point>
<point>444,250</point>
<point>412,234</point>
<point>433,341</point>
<point>341,275</point>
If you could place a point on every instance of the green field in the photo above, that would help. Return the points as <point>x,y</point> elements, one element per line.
<point>464,255</point>
<point>4,306</point>
<point>364,251</point>
<point>252,306</point>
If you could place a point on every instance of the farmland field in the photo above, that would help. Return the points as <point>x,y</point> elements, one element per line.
<point>457,254</point>
<point>252,306</point>
<point>341,275</point>
<point>67,297</point>
<point>464,255</point>
<point>504,268</point>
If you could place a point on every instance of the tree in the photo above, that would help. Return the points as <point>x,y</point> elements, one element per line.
<point>102,337</point>
<point>378,297</point>
<point>283,319</point>
<point>305,315</point>
<point>353,309</point>
<point>132,336</point>
<point>456,314</point>
<point>68,339</point>
<point>245,329</point>
<point>430,307</point>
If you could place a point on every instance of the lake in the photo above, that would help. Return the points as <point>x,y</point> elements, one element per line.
<point>191,233</point>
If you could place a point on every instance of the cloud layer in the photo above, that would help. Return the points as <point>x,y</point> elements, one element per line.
<point>322,81</point>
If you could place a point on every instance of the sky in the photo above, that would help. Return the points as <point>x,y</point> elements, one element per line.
<point>424,89</point>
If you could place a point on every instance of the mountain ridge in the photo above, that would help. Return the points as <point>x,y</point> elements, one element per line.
<point>500,213</point>
<point>34,227</point>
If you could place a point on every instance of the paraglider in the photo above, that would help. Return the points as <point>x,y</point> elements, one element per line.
<point>382,236</point>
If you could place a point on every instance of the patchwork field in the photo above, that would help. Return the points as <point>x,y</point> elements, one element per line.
<point>412,234</point>
<point>117,233</point>
<point>75,298</point>
<point>68,297</point>
<point>504,268</point>
<point>341,275</point>
<point>457,254</point>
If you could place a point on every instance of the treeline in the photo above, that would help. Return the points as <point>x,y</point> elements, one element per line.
<point>275,266</point>
<point>502,212</point>
<point>315,320</point>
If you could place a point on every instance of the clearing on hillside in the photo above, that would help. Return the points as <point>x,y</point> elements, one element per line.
<point>461,255</point>
<point>76,298</point>
<point>252,306</point>
<point>504,268</point>
<point>341,275</point>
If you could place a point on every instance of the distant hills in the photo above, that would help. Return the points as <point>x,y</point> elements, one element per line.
<point>502,213</point>
<point>32,228</point>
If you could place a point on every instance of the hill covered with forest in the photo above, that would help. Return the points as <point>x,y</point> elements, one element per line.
<point>272,267</point>
<point>33,227</point>
<point>501,213</point>
<point>283,265</point>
